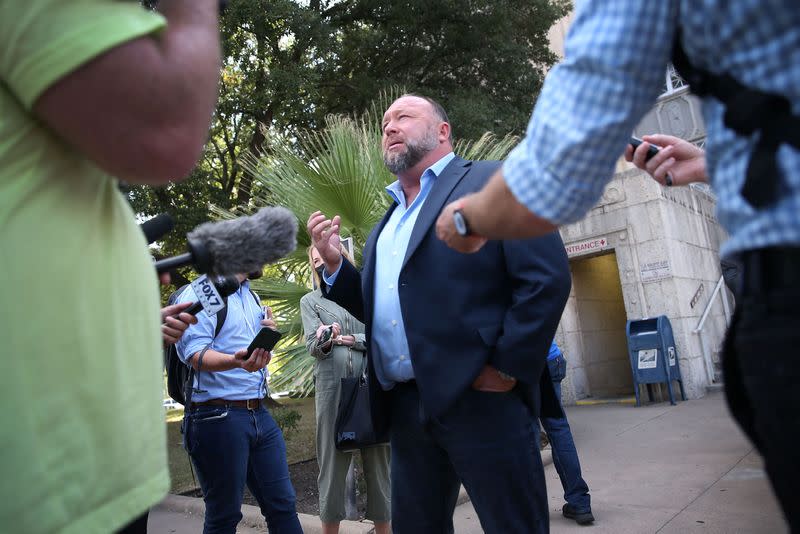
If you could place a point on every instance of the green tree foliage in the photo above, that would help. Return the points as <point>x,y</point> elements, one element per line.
<point>484,60</point>
<point>291,63</point>
<point>340,171</point>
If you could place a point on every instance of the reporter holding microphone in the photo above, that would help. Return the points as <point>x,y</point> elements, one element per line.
<point>89,91</point>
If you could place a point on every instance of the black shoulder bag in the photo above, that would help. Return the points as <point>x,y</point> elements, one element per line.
<point>354,428</point>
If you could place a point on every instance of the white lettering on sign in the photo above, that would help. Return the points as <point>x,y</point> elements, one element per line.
<point>207,295</point>
<point>585,247</point>
<point>657,270</point>
<point>648,359</point>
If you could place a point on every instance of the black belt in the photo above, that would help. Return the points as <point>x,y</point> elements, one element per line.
<point>770,268</point>
<point>250,404</point>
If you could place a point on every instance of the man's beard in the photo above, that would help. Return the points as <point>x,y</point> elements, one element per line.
<point>415,150</point>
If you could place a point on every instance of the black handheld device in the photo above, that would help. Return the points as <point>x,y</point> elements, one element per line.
<point>265,339</point>
<point>652,151</point>
<point>326,335</point>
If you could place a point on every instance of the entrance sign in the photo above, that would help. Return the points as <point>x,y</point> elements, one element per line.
<point>586,247</point>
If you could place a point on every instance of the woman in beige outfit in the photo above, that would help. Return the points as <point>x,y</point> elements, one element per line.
<point>342,354</point>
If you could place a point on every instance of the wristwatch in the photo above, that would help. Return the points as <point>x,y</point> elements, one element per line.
<point>460,222</point>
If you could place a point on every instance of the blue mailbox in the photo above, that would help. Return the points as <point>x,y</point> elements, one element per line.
<point>654,359</point>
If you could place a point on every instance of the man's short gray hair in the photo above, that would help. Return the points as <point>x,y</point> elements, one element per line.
<point>438,109</point>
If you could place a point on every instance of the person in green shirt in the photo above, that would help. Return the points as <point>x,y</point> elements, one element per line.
<point>89,90</point>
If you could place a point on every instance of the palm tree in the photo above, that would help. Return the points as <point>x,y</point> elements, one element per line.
<point>339,170</point>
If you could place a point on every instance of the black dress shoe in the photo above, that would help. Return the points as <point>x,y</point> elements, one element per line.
<point>582,517</point>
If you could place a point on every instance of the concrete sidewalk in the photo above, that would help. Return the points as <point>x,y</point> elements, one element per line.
<point>664,469</point>
<point>658,468</point>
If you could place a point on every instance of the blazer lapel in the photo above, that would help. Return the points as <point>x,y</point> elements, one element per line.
<point>442,188</point>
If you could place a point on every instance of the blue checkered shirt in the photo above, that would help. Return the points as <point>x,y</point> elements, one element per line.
<point>616,53</point>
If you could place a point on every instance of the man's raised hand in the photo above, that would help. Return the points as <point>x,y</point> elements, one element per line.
<point>324,234</point>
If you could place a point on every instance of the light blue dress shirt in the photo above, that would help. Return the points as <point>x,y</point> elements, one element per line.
<point>242,323</point>
<point>389,345</point>
<point>616,56</point>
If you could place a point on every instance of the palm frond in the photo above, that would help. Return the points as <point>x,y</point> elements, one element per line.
<point>488,147</point>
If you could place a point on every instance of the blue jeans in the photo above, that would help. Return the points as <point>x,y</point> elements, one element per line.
<point>565,456</point>
<point>231,446</point>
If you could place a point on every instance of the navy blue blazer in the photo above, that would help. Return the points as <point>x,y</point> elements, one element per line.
<point>499,306</point>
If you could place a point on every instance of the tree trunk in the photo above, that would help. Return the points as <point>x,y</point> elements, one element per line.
<point>255,147</point>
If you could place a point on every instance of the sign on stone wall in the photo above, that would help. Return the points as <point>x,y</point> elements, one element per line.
<point>657,270</point>
<point>586,247</point>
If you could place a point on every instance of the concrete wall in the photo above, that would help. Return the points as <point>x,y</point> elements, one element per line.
<point>666,243</point>
<point>558,34</point>
<point>679,113</point>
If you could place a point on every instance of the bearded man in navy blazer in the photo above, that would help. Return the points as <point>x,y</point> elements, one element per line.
<point>458,343</point>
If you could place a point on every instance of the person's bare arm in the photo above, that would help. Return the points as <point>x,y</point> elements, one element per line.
<point>214,361</point>
<point>492,213</point>
<point>141,111</point>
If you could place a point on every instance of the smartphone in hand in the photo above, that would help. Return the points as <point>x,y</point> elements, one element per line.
<point>265,339</point>
<point>652,151</point>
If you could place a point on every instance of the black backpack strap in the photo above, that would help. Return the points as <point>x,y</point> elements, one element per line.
<point>747,111</point>
<point>221,315</point>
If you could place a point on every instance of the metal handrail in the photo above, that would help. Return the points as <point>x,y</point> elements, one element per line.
<point>718,290</point>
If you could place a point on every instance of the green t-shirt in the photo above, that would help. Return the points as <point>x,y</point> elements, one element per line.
<point>82,434</point>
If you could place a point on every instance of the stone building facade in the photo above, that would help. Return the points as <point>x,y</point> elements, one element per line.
<point>644,250</point>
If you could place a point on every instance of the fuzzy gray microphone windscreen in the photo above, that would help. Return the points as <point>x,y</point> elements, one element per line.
<point>246,244</point>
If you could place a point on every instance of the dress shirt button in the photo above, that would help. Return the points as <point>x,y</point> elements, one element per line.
<point>402,357</point>
<point>394,253</point>
<point>391,286</point>
<point>394,323</point>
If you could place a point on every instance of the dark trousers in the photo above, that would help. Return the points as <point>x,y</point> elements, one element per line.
<point>565,455</point>
<point>488,442</point>
<point>137,526</point>
<point>231,446</point>
<point>762,370</point>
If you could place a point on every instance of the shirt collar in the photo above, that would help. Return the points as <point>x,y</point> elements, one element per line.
<point>395,190</point>
<point>244,287</point>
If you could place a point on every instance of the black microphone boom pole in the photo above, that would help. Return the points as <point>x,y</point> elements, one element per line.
<point>157,227</point>
<point>198,256</point>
